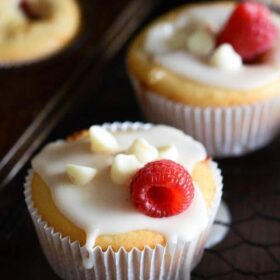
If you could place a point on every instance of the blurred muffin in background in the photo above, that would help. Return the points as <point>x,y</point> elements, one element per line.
<point>34,29</point>
<point>212,70</point>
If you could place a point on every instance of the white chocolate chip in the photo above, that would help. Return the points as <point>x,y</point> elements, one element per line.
<point>178,39</point>
<point>80,175</point>
<point>200,42</point>
<point>156,40</point>
<point>123,168</point>
<point>168,152</point>
<point>226,58</point>
<point>143,150</point>
<point>102,141</point>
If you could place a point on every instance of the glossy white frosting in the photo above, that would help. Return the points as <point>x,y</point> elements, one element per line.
<point>102,207</point>
<point>180,61</point>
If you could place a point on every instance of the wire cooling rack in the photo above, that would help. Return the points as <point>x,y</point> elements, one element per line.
<point>251,250</point>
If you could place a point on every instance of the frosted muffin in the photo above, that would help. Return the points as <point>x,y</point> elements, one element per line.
<point>187,74</point>
<point>34,29</point>
<point>101,198</point>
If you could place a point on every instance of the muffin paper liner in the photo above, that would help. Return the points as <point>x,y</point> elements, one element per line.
<point>228,131</point>
<point>173,261</point>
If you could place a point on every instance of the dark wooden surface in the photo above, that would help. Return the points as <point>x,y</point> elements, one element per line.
<point>252,183</point>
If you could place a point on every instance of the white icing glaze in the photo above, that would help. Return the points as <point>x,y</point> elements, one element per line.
<point>183,63</point>
<point>94,206</point>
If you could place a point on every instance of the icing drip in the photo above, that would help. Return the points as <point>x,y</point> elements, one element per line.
<point>88,253</point>
<point>94,206</point>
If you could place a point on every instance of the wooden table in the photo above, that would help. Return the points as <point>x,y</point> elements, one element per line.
<point>251,250</point>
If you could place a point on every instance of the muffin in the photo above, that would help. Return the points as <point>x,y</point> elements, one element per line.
<point>34,29</point>
<point>129,200</point>
<point>203,69</point>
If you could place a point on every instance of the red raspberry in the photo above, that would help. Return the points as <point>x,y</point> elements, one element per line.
<point>27,10</point>
<point>162,188</point>
<point>249,30</point>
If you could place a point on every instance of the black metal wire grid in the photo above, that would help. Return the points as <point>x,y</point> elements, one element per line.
<point>250,251</point>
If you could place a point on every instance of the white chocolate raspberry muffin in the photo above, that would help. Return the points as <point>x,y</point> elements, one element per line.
<point>34,29</point>
<point>121,190</point>
<point>206,70</point>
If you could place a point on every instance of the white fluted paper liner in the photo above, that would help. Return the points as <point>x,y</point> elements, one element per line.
<point>173,261</point>
<point>228,131</point>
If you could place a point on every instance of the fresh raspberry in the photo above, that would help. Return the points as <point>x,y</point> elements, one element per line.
<point>162,188</point>
<point>249,30</point>
<point>27,10</point>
